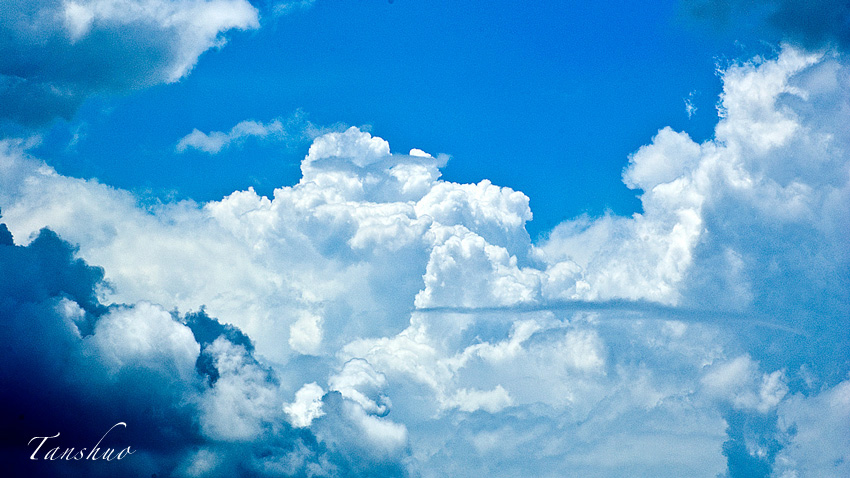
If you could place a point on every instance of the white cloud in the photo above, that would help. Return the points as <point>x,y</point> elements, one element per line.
<point>287,7</point>
<point>772,155</point>
<point>419,152</point>
<point>305,335</point>
<point>670,156</point>
<point>201,463</point>
<point>199,23</point>
<point>616,343</point>
<point>56,53</point>
<point>739,382</point>
<point>238,256</point>
<point>387,436</point>
<point>146,335</point>
<point>690,107</point>
<point>294,127</point>
<point>353,145</point>
<point>201,402</point>
<point>815,433</point>
<point>464,270</point>
<point>492,401</point>
<point>306,407</point>
<point>360,383</point>
<point>210,143</point>
<point>241,400</point>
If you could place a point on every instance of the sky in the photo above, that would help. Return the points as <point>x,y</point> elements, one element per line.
<point>399,238</point>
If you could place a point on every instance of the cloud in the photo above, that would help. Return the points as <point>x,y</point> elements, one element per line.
<point>813,24</point>
<point>690,107</point>
<point>491,401</point>
<point>357,435</point>
<point>52,351</point>
<point>690,246</point>
<point>359,382</point>
<point>54,54</point>
<point>196,401</point>
<point>307,405</point>
<point>289,129</point>
<point>738,382</point>
<point>375,318</point>
<point>143,335</point>
<point>815,431</point>
<point>287,7</point>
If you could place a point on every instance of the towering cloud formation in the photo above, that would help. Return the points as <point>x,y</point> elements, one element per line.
<point>196,400</point>
<point>378,319</point>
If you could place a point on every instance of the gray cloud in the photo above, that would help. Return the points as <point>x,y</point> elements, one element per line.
<point>195,399</point>
<point>54,54</point>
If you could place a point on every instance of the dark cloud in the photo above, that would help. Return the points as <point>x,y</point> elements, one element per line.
<point>53,54</point>
<point>812,24</point>
<point>59,375</point>
<point>206,329</point>
<point>47,269</point>
<point>51,385</point>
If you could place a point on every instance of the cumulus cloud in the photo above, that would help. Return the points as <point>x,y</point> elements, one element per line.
<point>148,336</point>
<point>195,399</point>
<point>375,318</point>
<point>738,382</point>
<point>489,400</point>
<point>359,382</point>
<point>307,405</point>
<point>772,156</point>
<point>815,434</point>
<point>55,53</point>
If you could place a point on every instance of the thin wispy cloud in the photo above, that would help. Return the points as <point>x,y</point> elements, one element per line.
<point>288,7</point>
<point>690,106</point>
<point>292,130</point>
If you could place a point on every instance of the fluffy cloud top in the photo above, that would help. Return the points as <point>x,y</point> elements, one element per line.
<point>376,319</point>
<point>196,400</point>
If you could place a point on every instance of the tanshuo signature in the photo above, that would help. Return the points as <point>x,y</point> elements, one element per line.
<point>69,454</point>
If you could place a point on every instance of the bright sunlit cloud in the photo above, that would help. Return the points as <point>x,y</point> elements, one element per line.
<point>375,318</point>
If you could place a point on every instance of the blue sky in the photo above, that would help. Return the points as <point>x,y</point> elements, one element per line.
<point>425,239</point>
<point>513,94</point>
